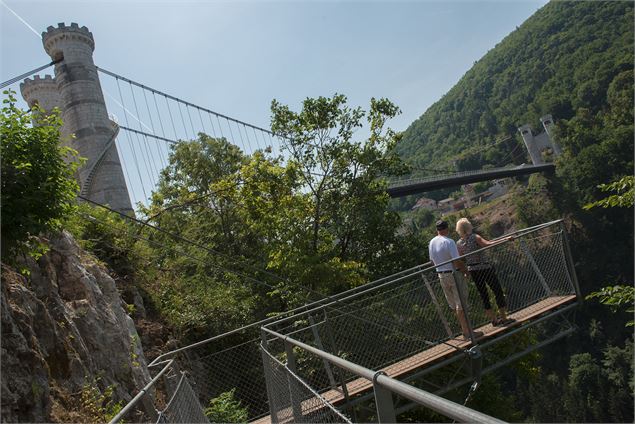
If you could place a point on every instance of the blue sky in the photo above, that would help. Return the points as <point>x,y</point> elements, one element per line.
<point>235,57</point>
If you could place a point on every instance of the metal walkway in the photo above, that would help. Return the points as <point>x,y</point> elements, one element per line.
<point>432,355</point>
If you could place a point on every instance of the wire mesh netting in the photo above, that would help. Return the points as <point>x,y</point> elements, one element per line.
<point>183,406</point>
<point>228,364</point>
<point>293,400</point>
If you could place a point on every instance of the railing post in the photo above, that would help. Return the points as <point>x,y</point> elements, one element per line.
<point>437,306</point>
<point>476,363</point>
<point>570,264</point>
<point>530,258</point>
<point>266,365</point>
<point>318,342</point>
<point>340,371</point>
<point>293,387</point>
<point>383,402</point>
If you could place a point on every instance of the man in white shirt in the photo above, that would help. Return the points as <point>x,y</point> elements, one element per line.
<point>443,251</point>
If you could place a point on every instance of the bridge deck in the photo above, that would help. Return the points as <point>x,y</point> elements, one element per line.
<point>435,353</point>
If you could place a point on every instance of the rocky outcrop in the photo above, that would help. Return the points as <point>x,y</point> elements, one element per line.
<point>65,330</point>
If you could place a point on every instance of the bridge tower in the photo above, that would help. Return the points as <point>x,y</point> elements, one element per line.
<point>77,92</point>
<point>537,143</point>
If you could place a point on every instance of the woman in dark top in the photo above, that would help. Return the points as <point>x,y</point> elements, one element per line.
<point>482,272</point>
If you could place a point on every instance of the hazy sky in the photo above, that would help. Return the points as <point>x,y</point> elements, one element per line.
<point>236,56</point>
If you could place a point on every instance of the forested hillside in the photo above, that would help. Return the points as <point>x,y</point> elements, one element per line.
<point>560,60</point>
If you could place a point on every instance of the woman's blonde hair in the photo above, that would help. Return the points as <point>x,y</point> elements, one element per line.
<point>463,227</point>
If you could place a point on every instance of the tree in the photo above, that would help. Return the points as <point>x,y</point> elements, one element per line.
<point>351,231</point>
<point>38,184</point>
<point>618,296</point>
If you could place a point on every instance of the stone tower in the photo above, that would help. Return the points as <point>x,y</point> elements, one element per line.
<point>77,92</point>
<point>537,143</point>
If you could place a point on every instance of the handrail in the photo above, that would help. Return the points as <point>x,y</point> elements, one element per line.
<point>436,403</point>
<point>293,311</point>
<point>521,232</point>
<point>141,393</point>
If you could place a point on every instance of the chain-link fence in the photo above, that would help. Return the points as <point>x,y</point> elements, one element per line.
<point>233,362</point>
<point>183,405</point>
<point>293,400</point>
<point>168,398</point>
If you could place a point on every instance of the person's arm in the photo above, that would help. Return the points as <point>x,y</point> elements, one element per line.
<point>482,242</point>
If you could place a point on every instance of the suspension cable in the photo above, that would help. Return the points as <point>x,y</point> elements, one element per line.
<point>150,158</point>
<point>134,155</point>
<point>112,74</point>
<point>28,74</point>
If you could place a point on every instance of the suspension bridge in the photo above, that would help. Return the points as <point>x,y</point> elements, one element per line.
<point>369,353</point>
<point>147,122</point>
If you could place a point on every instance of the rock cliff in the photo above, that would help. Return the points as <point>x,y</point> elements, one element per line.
<point>69,348</point>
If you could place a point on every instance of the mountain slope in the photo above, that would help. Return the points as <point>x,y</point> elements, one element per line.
<point>560,60</point>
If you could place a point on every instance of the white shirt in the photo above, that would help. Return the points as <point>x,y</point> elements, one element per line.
<point>443,249</point>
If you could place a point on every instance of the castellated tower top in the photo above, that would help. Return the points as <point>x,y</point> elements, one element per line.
<point>41,91</point>
<point>55,39</point>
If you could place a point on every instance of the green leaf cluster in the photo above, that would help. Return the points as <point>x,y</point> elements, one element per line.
<point>270,233</point>
<point>37,176</point>
<point>225,408</point>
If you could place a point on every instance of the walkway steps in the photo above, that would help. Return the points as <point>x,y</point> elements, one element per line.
<point>433,354</point>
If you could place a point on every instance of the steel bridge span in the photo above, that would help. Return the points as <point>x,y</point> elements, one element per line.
<point>421,185</point>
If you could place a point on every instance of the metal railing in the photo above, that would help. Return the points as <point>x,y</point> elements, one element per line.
<point>167,398</point>
<point>295,407</point>
<point>233,360</point>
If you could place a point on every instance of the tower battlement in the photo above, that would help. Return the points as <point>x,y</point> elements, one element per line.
<point>537,143</point>
<point>41,91</point>
<point>73,33</point>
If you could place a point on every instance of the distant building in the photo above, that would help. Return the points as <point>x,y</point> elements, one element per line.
<point>425,203</point>
<point>451,205</point>
<point>445,205</point>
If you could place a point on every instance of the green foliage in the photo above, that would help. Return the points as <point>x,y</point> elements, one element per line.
<point>351,230</point>
<point>226,409</point>
<point>624,197</point>
<point>98,407</point>
<point>534,205</point>
<point>617,297</point>
<point>38,187</point>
